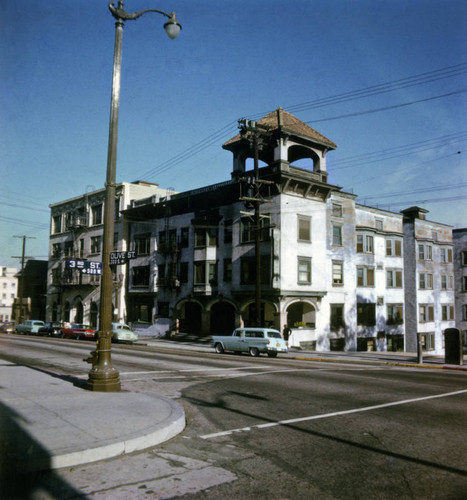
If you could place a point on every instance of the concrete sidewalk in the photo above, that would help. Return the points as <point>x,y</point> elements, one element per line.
<point>48,421</point>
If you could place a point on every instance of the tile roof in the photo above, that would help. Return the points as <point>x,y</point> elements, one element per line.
<point>286,122</point>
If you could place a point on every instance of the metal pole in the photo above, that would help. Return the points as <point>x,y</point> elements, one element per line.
<point>257,236</point>
<point>103,376</point>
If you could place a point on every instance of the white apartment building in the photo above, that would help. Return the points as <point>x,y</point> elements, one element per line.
<point>8,292</point>
<point>460,280</point>
<point>76,232</point>
<point>332,271</point>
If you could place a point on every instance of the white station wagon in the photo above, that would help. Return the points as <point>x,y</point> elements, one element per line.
<point>252,340</point>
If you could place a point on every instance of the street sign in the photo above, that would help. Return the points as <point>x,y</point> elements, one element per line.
<point>119,258</point>
<point>84,266</point>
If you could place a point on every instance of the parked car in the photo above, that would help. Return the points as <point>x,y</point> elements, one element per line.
<point>51,328</point>
<point>252,340</point>
<point>30,326</point>
<point>79,331</point>
<point>123,333</point>
<point>7,327</point>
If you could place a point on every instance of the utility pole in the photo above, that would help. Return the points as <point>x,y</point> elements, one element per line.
<point>21,283</point>
<point>256,133</point>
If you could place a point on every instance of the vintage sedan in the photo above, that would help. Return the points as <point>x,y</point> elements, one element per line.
<point>51,329</point>
<point>123,333</point>
<point>30,326</point>
<point>79,331</point>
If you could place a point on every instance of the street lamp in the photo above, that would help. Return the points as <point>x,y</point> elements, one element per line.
<point>103,376</point>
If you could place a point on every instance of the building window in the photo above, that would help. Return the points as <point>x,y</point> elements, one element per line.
<point>56,250</point>
<point>337,316</point>
<point>184,237</point>
<point>228,231</point>
<point>393,278</point>
<point>446,282</point>
<point>464,283</point>
<point>336,235</point>
<point>96,243</point>
<point>379,224</point>
<point>96,213</point>
<point>365,276</point>
<point>304,228</point>
<point>247,234</point>
<point>445,254</point>
<point>434,235</point>
<point>248,270</point>
<point>425,313</point>
<point>199,273</point>
<point>200,270</point>
<point>447,313</point>
<point>117,209</point>
<point>141,276</point>
<point>425,281</point>
<point>464,258</point>
<point>364,243</point>
<point>464,310</point>
<point>227,277</point>
<point>304,270</point>
<point>425,252</point>
<point>395,314</point>
<point>205,237</point>
<point>366,314</point>
<point>143,244</point>
<point>428,341</point>
<point>336,210</point>
<point>337,272</point>
<point>56,224</point>
<point>393,248</point>
<point>68,249</point>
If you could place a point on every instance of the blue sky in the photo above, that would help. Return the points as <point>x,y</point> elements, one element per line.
<point>400,131</point>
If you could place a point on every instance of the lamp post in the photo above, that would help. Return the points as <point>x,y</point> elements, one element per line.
<point>103,376</point>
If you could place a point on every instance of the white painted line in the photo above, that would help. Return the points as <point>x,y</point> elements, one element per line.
<point>194,370</point>
<point>334,414</point>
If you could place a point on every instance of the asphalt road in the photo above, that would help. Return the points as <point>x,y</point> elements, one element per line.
<point>276,428</point>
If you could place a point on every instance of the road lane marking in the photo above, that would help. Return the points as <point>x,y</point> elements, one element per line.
<point>329,415</point>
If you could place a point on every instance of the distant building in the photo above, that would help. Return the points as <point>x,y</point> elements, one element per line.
<point>32,291</point>
<point>8,291</point>
<point>76,232</point>
<point>460,283</point>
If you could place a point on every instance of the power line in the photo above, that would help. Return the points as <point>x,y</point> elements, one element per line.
<point>385,108</point>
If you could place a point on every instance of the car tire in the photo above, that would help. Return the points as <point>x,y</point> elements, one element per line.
<point>272,354</point>
<point>219,349</point>
<point>254,351</point>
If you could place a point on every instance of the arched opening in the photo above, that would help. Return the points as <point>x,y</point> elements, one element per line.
<point>302,157</point>
<point>79,312</point>
<point>93,315</point>
<point>66,312</point>
<point>301,315</point>
<point>55,311</point>
<point>222,318</point>
<point>190,321</point>
<point>267,315</point>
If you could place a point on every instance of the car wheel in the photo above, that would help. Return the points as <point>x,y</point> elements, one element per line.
<point>272,354</point>
<point>254,351</point>
<point>219,349</point>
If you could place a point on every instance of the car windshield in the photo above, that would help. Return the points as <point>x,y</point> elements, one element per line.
<point>123,327</point>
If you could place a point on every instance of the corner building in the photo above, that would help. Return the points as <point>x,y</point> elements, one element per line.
<point>333,271</point>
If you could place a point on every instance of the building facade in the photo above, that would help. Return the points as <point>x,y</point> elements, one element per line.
<point>76,232</point>
<point>460,281</point>
<point>338,275</point>
<point>8,292</point>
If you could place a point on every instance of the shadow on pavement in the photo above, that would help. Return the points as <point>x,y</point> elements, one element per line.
<point>20,456</point>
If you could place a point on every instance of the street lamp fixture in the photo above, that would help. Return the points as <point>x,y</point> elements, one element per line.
<point>103,376</point>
